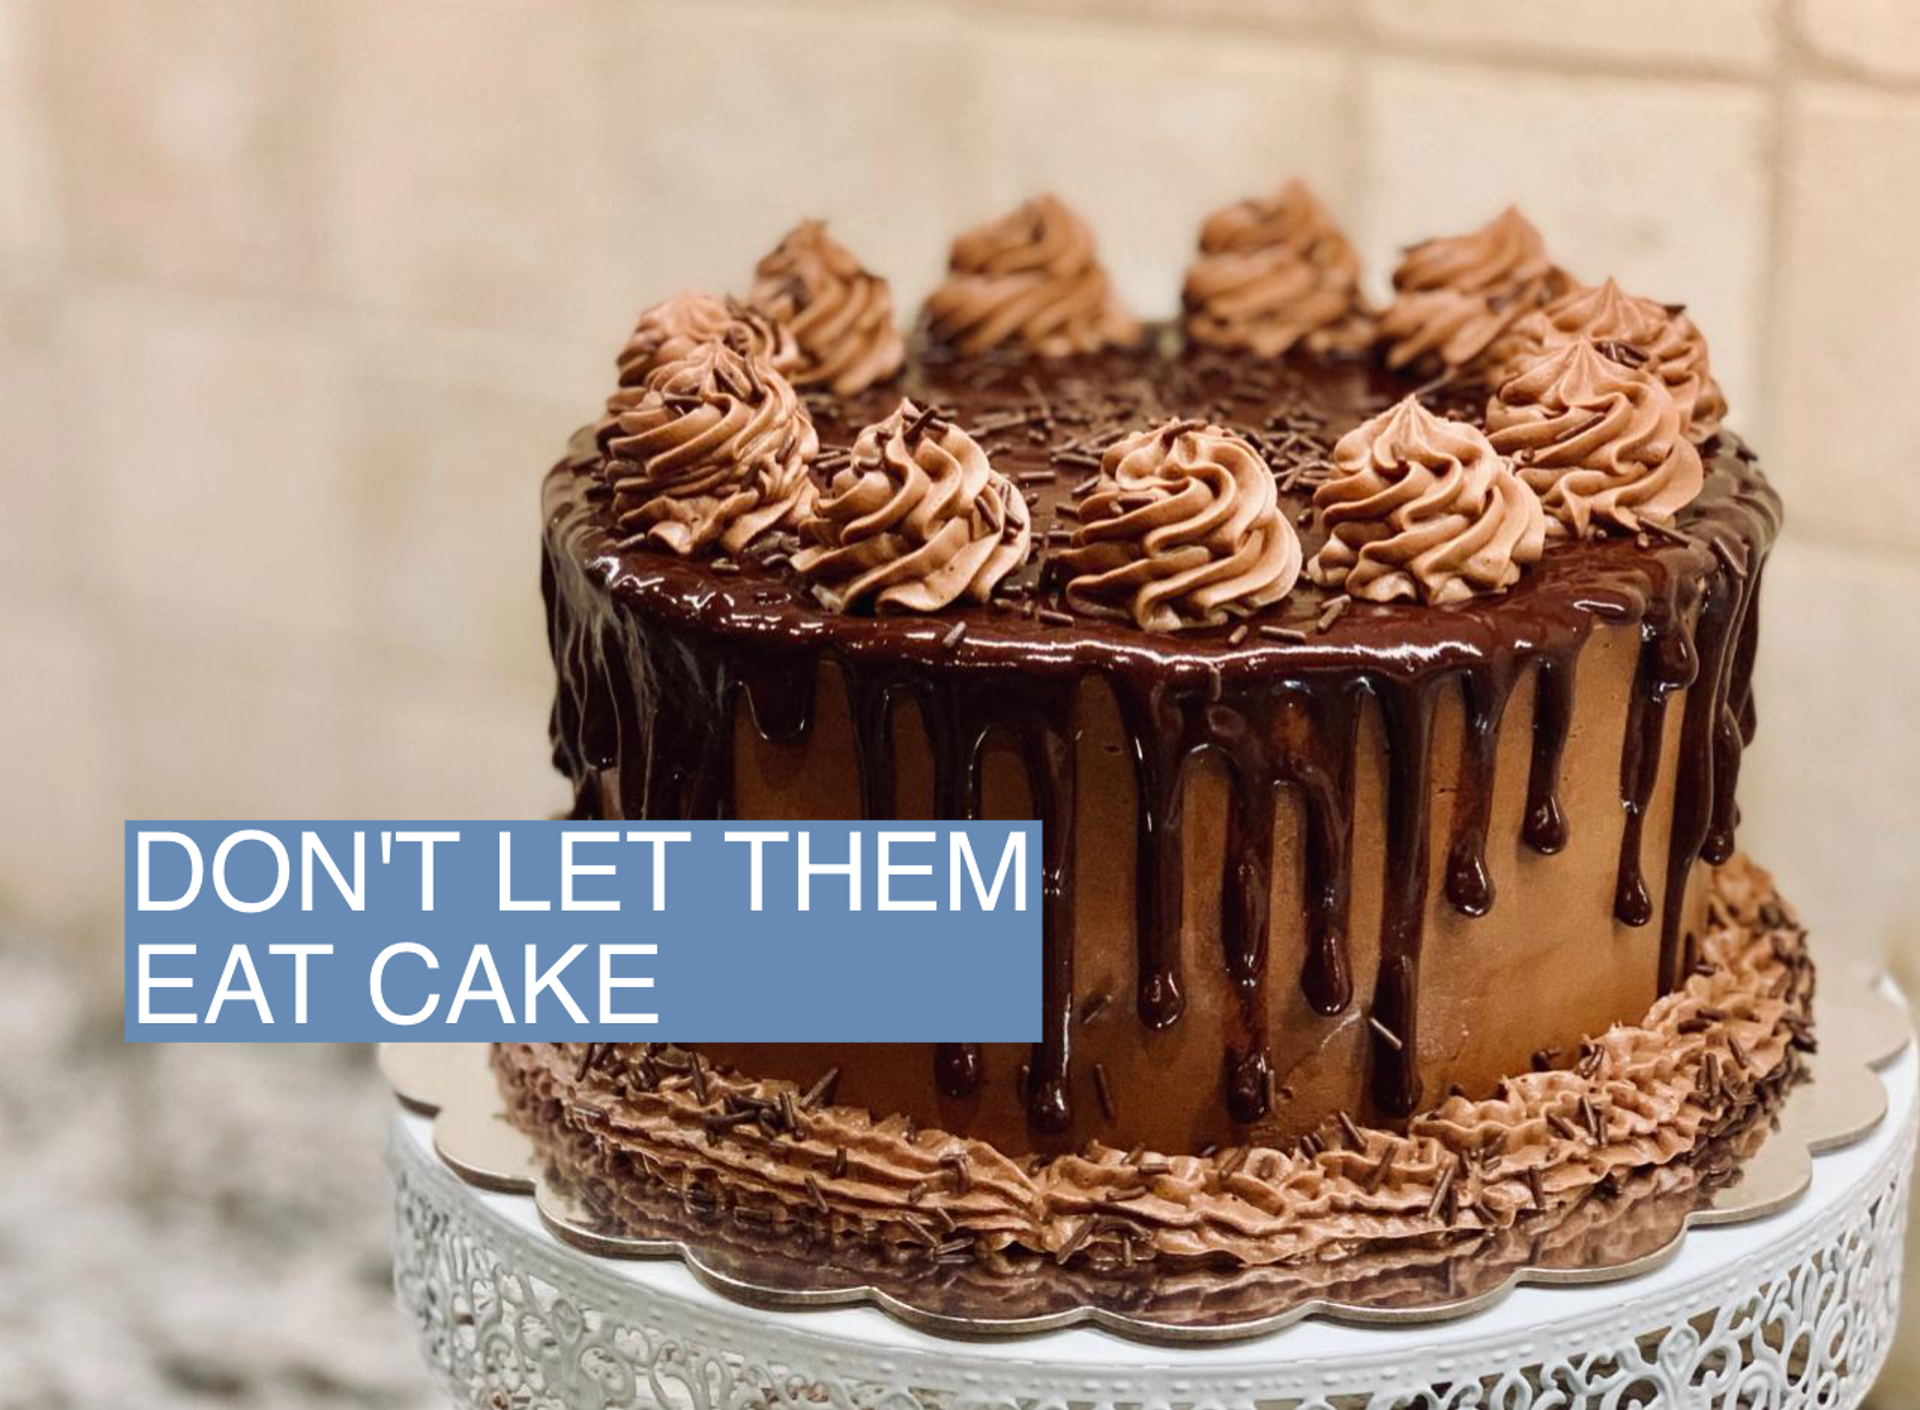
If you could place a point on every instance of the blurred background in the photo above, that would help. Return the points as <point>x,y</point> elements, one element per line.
<point>299,297</point>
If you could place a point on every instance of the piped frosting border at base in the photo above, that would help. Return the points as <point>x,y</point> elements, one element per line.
<point>1708,1058</point>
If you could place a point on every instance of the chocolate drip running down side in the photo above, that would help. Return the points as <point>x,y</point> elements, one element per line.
<point>657,659</point>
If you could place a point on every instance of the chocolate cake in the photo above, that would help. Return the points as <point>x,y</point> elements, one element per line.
<point>1379,677</point>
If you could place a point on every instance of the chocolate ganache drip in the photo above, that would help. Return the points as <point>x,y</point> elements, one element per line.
<point>839,312</point>
<point>1599,438</point>
<point>1030,277</point>
<point>713,454</point>
<point>1455,297</point>
<point>1274,273</point>
<point>1423,508</point>
<point>1182,528</point>
<point>1674,349</point>
<point>916,520</point>
<point>663,661</point>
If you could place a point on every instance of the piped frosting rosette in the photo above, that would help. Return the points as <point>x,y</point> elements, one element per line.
<point>1675,350</point>
<point>1031,277</point>
<point>1273,274</point>
<point>1599,437</point>
<point>675,327</point>
<point>1423,508</point>
<point>1182,528</point>
<point>1454,297</point>
<point>916,521</point>
<point>713,454</point>
<point>838,311</point>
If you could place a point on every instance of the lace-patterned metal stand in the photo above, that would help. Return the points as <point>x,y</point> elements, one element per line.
<point>1791,1309</point>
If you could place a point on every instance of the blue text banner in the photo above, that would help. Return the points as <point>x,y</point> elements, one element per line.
<point>562,931</point>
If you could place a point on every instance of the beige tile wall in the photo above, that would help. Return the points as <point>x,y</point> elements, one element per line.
<point>297,297</point>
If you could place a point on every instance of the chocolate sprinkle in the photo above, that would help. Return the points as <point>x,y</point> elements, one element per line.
<point>1386,1034</point>
<point>1104,1090</point>
<point>1283,634</point>
<point>1356,1139</point>
<point>822,1090</point>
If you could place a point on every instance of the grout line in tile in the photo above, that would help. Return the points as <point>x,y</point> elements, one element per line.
<point>1353,111</point>
<point>1814,64</point>
<point>1545,63</point>
<point>1358,215</point>
<point>1769,316</point>
<point>1223,21</point>
<point>1544,60</point>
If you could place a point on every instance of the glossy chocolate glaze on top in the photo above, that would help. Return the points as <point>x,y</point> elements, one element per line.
<point>653,652</point>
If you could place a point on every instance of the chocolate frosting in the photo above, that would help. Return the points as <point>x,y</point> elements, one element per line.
<point>1421,507</point>
<point>1032,277</point>
<point>1182,528</point>
<point>916,520</point>
<point>1599,437</point>
<point>714,453</point>
<point>1275,273</point>
<point>1675,349</point>
<point>1617,1223</point>
<point>1637,1097</point>
<point>1456,296</point>
<point>674,327</point>
<point>839,312</point>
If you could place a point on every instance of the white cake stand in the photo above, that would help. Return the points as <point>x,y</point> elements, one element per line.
<point>1789,1310</point>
